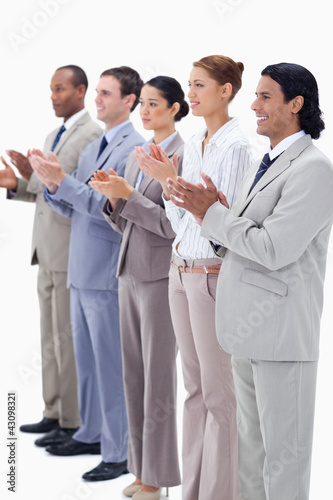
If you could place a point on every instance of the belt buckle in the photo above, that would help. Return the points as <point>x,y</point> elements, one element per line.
<point>181,269</point>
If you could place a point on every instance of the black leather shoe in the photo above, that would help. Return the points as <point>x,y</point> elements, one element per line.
<point>45,425</point>
<point>56,436</point>
<point>106,470</point>
<point>71,447</point>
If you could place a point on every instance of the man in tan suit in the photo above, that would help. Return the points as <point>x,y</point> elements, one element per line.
<point>50,243</point>
<point>269,300</point>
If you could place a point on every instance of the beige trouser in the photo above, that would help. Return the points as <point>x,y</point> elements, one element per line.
<point>276,402</point>
<point>210,460</point>
<point>58,363</point>
<point>149,364</point>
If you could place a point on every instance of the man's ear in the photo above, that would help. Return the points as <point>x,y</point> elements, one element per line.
<point>130,100</point>
<point>298,102</point>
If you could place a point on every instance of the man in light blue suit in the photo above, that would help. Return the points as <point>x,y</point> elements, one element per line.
<point>93,256</point>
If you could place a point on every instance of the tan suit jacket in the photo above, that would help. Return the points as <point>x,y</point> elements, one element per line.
<point>147,232</point>
<point>50,236</point>
<point>270,289</point>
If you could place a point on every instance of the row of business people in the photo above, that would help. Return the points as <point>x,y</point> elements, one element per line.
<point>114,208</point>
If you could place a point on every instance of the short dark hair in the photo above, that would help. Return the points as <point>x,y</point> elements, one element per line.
<point>172,92</point>
<point>79,76</point>
<point>129,79</point>
<point>296,80</point>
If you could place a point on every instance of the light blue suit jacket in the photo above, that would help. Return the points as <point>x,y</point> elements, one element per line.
<point>94,245</point>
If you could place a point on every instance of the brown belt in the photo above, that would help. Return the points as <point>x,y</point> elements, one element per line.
<point>198,270</point>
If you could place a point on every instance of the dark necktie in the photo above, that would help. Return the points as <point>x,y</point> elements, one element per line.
<point>266,162</point>
<point>57,137</point>
<point>102,146</point>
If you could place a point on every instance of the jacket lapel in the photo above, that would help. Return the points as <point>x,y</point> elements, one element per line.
<point>279,166</point>
<point>170,151</point>
<point>115,142</point>
<point>70,132</point>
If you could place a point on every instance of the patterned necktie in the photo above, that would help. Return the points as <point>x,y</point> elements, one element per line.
<point>57,137</point>
<point>102,146</point>
<point>266,162</point>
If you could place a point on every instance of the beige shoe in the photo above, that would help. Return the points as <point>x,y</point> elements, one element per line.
<point>147,495</point>
<point>131,489</point>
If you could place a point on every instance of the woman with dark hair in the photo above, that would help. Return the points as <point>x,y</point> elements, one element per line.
<point>210,460</point>
<point>135,208</point>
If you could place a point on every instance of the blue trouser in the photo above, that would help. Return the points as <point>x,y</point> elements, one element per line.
<point>96,336</point>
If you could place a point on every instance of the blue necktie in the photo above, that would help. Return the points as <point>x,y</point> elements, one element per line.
<point>57,137</point>
<point>266,162</point>
<point>102,146</point>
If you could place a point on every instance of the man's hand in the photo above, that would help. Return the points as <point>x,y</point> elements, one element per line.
<point>50,172</point>
<point>7,176</point>
<point>113,186</point>
<point>158,165</point>
<point>195,198</point>
<point>21,162</point>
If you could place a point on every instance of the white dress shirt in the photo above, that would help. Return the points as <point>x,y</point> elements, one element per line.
<point>284,144</point>
<point>225,159</point>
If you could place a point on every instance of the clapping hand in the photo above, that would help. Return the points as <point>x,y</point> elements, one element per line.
<point>111,185</point>
<point>195,198</point>
<point>157,165</point>
<point>50,172</point>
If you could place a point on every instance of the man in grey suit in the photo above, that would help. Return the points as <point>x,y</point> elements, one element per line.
<point>93,256</point>
<point>270,291</point>
<point>50,242</point>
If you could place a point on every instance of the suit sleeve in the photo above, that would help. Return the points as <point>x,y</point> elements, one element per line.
<point>146,213</point>
<point>79,196</point>
<point>303,210</point>
<point>21,193</point>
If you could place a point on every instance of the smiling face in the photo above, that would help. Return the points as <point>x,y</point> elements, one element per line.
<point>66,99</point>
<point>112,108</point>
<point>205,94</point>
<point>276,119</point>
<point>155,111</point>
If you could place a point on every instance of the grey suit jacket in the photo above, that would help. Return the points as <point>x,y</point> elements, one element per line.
<point>94,245</point>
<point>50,236</point>
<point>147,233</point>
<point>270,290</point>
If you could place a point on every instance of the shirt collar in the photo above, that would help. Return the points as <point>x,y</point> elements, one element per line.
<point>70,122</point>
<point>219,136</point>
<point>112,132</point>
<point>284,144</point>
<point>164,144</point>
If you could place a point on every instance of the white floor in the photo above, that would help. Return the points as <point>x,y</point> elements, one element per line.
<point>41,476</point>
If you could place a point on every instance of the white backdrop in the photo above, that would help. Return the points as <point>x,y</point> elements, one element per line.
<point>154,37</point>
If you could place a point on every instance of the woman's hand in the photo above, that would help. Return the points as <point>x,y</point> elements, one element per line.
<point>157,165</point>
<point>111,185</point>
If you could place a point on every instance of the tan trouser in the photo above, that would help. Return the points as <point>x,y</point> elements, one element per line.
<point>210,459</point>
<point>59,382</point>
<point>149,365</point>
<point>276,402</point>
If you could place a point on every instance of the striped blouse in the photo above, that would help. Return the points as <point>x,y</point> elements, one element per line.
<point>226,158</point>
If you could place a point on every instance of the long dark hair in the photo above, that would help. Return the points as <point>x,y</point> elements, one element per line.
<point>296,80</point>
